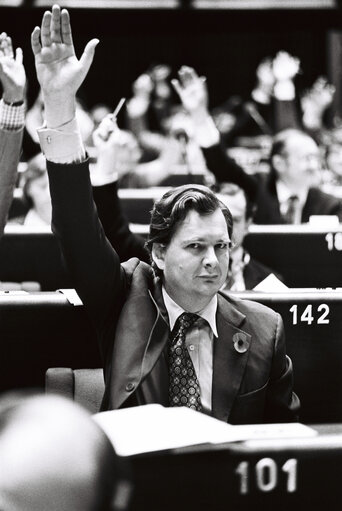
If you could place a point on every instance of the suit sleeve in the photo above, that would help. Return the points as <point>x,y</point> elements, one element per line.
<point>282,404</point>
<point>94,265</point>
<point>10,148</point>
<point>115,224</point>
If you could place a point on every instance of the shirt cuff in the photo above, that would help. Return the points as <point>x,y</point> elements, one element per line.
<point>205,133</point>
<point>63,144</point>
<point>284,90</point>
<point>12,118</point>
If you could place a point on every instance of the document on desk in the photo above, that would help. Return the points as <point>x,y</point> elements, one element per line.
<point>153,427</point>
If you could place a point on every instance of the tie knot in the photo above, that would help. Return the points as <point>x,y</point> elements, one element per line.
<point>187,319</point>
<point>293,199</point>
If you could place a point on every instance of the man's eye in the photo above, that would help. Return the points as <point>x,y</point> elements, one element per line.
<point>194,246</point>
<point>222,246</point>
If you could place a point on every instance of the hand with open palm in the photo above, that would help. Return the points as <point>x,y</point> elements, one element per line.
<point>59,72</point>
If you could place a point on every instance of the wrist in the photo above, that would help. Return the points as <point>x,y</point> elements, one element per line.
<point>58,110</point>
<point>200,116</point>
<point>13,97</point>
<point>284,90</point>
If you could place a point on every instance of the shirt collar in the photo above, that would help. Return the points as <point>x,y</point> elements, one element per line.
<point>174,311</point>
<point>284,193</point>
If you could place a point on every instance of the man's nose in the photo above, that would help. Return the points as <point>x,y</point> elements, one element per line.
<point>210,257</point>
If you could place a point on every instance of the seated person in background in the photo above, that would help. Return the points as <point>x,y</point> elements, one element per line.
<point>244,272</point>
<point>236,368</point>
<point>53,456</point>
<point>35,185</point>
<point>134,174</point>
<point>290,193</point>
<point>12,111</point>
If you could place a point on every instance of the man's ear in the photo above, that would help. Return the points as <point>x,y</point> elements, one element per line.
<point>278,163</point>
<point>158,255</point>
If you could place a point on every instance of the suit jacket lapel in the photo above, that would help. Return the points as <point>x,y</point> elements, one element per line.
<point>231,351</point>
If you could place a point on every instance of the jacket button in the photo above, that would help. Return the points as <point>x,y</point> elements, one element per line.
<point>130,386</point>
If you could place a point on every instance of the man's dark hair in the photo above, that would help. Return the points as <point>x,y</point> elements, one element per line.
<point>174,206</point>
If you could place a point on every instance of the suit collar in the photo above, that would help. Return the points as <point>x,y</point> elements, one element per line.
<point>230,358</point>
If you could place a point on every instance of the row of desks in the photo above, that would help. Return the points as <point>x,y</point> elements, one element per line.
<point>304,256</point>
<point>263,475</point>
<point>42,330</point>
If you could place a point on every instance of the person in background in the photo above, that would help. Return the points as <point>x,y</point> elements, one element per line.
<point>35,185</point>
<point>53,456</point>
<point>145,317</point>
<point>12,118</point>
<point>290,193</point>
<point>245,272</point>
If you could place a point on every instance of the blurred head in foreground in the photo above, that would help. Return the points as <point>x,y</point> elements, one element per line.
<point>54,456</point>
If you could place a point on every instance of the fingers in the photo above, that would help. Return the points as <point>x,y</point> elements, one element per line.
<point>6,48</point>
<point>19,55</point>
<point>177,86</point>
<point>35,42</point>
<point>45,31</point>
<point>55,27</point>
<point>66,27</point>
<point>88,55</point>
<point>9,48</point>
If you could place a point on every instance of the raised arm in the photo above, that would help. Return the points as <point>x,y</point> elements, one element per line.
<point>110,141</point>
<point>12,111</point>
<point>94,265</point>
<point>193,94</point>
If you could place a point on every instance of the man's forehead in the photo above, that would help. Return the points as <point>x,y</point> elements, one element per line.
<point>301,143</point>
<point>202,224</point>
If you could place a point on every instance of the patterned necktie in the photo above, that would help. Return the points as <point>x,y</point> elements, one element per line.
<point>184,389</point>
<point>290,215</point>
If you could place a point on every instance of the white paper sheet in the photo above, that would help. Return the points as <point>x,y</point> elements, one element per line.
<point>155,428</point>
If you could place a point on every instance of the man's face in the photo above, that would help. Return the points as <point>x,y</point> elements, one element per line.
<point>237,205</point>
<point>195,262</point>
<point>301,162</point>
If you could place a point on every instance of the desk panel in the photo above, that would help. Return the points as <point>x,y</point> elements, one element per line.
<point>42,330</point>
<point>260,475</point>
<point>303,256</point>
<point>313,327</point>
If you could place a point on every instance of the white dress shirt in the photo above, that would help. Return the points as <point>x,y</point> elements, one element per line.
<point>284,194</point>
<point>199,340</point>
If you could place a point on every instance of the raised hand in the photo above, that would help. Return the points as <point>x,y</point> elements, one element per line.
<point>265,76</point>
<point>59,72</point>
<point>192,91</point>
<point>118,152</point>
<point>12,71</point>
<point>285,66</point>
<point>315,101</point>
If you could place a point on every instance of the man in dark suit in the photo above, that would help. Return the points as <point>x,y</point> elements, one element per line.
<point>290,192</point>
<point>166,335</point>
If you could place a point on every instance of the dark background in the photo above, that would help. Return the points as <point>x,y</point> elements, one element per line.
<point>224,45</point>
